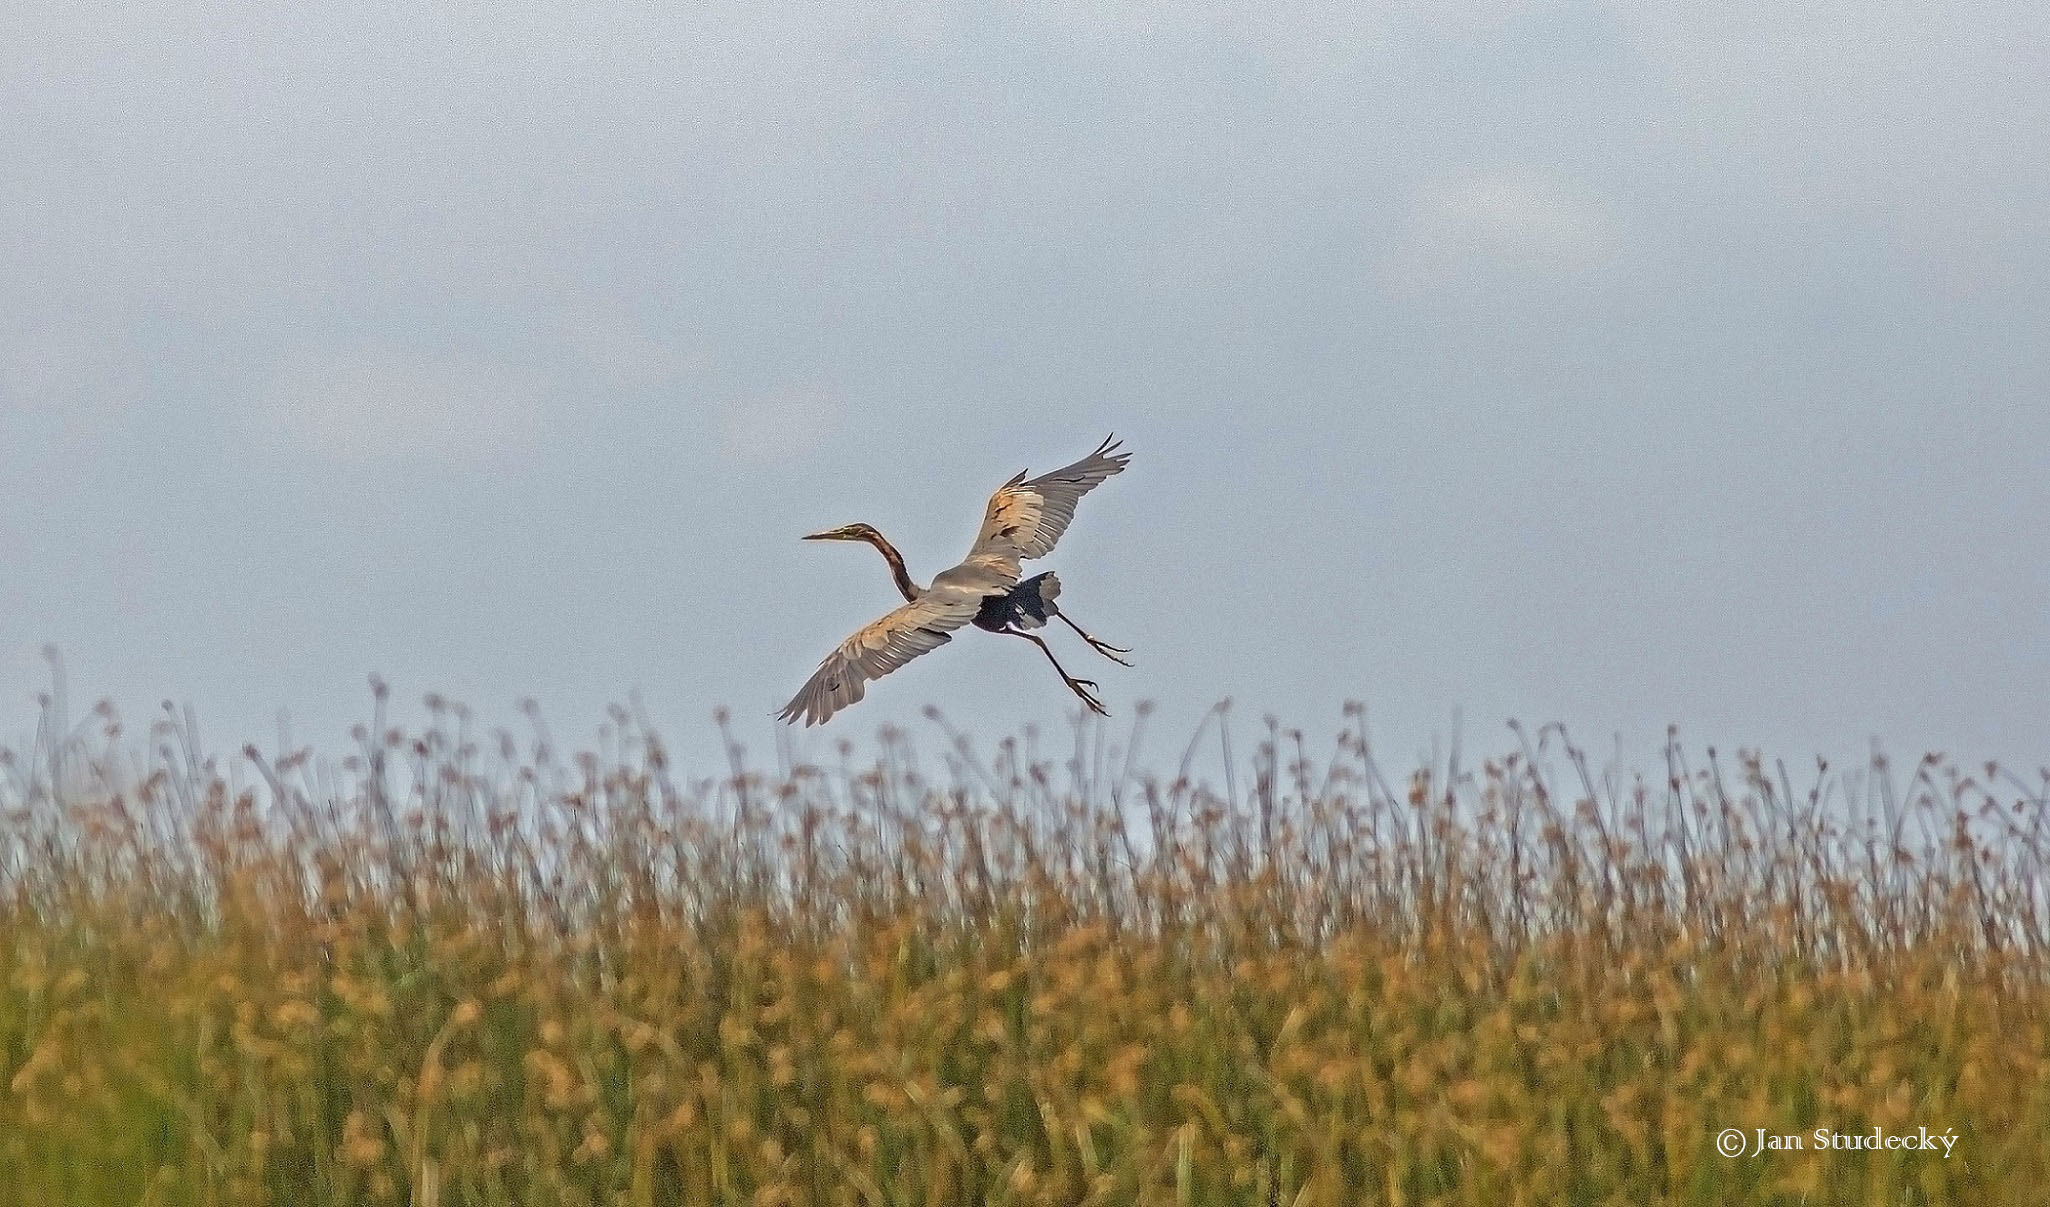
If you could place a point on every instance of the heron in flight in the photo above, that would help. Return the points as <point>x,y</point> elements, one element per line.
<point>1024,519</point>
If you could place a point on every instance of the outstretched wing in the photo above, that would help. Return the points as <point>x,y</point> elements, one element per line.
<point>1026,518</point>
<point>925,624</point>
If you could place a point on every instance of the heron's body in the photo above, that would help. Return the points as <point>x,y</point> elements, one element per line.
<point>1025,606</point>
<point>1023,520</point>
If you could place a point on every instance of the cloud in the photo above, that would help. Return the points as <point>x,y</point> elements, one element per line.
<point>1520,221</point>
<point>378,403</point>
<point>779,427</point>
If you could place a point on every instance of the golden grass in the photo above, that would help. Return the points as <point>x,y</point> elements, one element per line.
<point>438,976</point>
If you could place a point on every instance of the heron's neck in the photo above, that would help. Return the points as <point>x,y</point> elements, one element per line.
<point>910,590</point>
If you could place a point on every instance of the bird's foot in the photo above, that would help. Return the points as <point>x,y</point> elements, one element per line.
<point>1108,650</point>
<point>1086,689</point>
<point>1095,643</point>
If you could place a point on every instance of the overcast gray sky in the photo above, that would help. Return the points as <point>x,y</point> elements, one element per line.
<point>1612,364</point>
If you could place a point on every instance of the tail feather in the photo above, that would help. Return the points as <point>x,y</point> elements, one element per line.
<point>1032,600</point>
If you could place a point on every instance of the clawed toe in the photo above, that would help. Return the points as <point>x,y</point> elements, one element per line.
<point>1085,689</point>
<point>1109,651</point>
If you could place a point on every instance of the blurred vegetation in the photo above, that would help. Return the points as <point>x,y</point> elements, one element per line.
<point>445,970</point>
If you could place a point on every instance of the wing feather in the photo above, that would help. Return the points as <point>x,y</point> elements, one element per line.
<point>1025,518</point>
<point>879,647</point>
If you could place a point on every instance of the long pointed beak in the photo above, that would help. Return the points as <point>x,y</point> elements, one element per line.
<point>821,536</point>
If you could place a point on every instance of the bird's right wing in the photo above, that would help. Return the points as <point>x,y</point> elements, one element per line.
<point>876,649</point>
<point>1025,518</point>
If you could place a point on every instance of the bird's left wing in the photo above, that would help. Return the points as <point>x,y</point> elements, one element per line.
<point>1025,518</point>
<point>876,649</point>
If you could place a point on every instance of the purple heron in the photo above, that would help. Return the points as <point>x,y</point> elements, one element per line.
<point>1024,519</point>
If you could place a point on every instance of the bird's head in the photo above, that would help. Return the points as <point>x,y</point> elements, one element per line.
<point>852,532</point>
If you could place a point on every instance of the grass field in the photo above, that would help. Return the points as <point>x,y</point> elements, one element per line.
<point>458,970</point>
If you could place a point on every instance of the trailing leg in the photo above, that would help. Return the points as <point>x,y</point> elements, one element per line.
<point>1102,647</point>
<point>1080,687</point>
